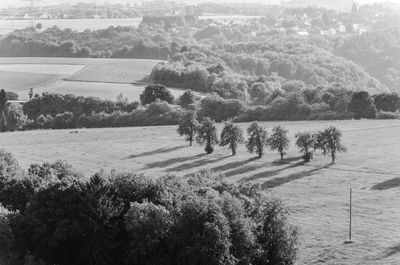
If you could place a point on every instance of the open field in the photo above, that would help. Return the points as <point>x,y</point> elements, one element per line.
<point>317,193</point>
<point>103,78</point>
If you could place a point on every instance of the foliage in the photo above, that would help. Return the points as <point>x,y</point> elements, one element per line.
<point>207,134</point>
<point>231,135</point>
<point>329,141</point>
<point>155,92</point>
<point>16,119</point>
<point>279,140</point>
<point>187,98</point>
<point>362,105</point>
<point>387,102</point>
<point>188,125</point>
<point>258,139</point>
<point>123,218</point>
<point>306,141</point>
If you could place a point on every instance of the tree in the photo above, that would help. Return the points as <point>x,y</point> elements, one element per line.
<point>362,105</point>
<point>231,135</point>
<point>188,125</point>
<point>207,134</point>
<point>3,104</point>
<point>305,142</point>
<point>279,140</point>
<point>329,141</point>
<point>16,118</point>
<point>387,102</point>
<point>187,98</point>
<point>257,140</point>
<point>153,92</point>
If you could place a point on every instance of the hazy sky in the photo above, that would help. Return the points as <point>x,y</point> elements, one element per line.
<point>7,3</point>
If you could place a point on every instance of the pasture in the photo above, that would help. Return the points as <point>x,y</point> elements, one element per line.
<point>316,193</point>
<point>103,78</point>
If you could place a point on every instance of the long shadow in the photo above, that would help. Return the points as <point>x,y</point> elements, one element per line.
<point>157,151</point>
<point>168,162</point>
<point>271,173</point>
<point>197,163</point>
<point>232,165</point>
<point>287,160</point>
<point>280,181</point>
<point>392,250</point>
<point>388,184</point>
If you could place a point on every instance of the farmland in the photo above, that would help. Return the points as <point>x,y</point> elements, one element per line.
<point>103,78</point>
<point>316,193</point>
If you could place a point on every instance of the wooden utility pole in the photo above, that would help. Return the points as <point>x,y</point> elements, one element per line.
<point>349,241</point>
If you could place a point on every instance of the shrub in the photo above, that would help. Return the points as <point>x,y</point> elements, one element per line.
<point>387,115</point>
<point>155,92</point>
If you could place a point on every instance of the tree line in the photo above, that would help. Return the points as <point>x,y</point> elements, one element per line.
<point>53,215</point>
<point>158,106</point>
<point>329,141</point>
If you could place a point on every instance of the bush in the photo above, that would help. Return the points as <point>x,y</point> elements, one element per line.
<point>155,92</point>
<point>387,115</point>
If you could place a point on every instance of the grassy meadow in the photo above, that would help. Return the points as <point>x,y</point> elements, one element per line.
<point>316,193</point>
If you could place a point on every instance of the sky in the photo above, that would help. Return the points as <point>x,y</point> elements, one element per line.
<point>7,3</point>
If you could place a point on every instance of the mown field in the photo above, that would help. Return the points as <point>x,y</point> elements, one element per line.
<point>103,78</point>
<point>316,193</point>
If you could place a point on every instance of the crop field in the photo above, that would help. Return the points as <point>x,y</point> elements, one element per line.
<point>316,193</point>
<point>103,78</point>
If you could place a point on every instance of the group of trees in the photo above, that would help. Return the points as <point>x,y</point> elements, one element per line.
<point>55,216</point>
<point>329,141</point>
<point>158,106</point>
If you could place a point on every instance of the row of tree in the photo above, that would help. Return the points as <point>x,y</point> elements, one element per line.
<point>329,141</point>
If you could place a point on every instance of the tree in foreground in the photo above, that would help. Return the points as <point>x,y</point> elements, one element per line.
<point>123,218</point>
<point>257,140</point>
<point>153,92</point>
<point>207,134</point>
<point>279,140</point>
<point>231,135</point>
<point>305,142</point>
<point>188,125</point>
<point>329,141</point>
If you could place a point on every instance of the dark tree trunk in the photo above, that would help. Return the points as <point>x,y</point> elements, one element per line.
<point>333,157</point>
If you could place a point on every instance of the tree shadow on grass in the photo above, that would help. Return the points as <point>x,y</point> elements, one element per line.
<point>287,160</point>
<point>283,180</point>
<point>168,162</point>
<point>157,151</point>
<point>244,170</point>
<point>271,173</point>
<point>197,163</point>
<point>392,250</point>
<point>388,184</point>
<point>232,165</point>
